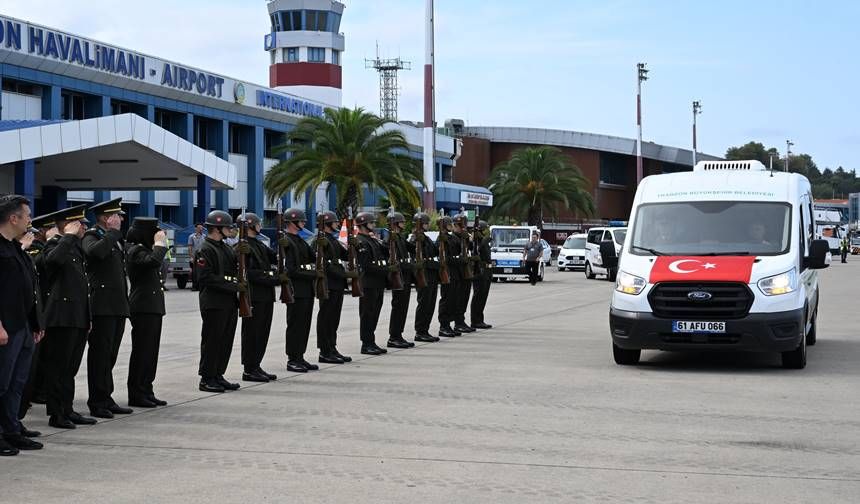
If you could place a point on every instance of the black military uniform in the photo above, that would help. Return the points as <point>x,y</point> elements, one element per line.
<point>67,319</point>
<point>427,295</point>
<point>374,267</point>
<point>262,280</point>
<point>483,278</point>
<point>219,303</point>
<point>449,299</point>
<point>34,390</point>
<point>400,298</point>
<point>464,286</point>
<point>105,255</point>
<point>146,304</point>
<point>299,261</point>
<point>328,317</point>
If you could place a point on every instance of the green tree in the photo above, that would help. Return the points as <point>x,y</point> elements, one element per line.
<point>539,180</point>
<point>350,148</point>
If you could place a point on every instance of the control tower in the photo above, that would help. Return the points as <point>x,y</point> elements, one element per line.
<point>305,48</point>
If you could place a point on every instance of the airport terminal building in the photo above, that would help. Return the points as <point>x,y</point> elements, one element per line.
<point>86,121</point>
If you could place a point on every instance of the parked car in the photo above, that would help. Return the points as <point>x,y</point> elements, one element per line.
<point>594,258</point>
<point>179,266</point>
<point>572,253</point>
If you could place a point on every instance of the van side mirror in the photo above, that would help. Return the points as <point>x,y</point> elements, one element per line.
<point>819,255</point>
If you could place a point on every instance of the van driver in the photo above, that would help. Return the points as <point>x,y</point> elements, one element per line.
<point>757,232</point>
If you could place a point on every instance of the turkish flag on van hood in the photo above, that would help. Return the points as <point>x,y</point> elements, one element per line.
<point>702,269</point>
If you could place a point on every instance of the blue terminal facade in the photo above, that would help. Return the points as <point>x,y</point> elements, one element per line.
<point>50,76</point>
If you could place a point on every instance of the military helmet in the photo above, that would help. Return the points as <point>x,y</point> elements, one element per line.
<point>395,217</point>
<point>365,218</point>
<point>295,215</point>
<point>483,226</point>
<point>461,219</point>
<point>421,217</point>
<point>251,218</point>
<point>445,221</point>
<point>219,218</point>
<point>327,217</point>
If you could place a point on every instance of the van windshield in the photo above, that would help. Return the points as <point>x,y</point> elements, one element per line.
<point>574,243</point>
<point>712,228</point>
<point>506,237</point>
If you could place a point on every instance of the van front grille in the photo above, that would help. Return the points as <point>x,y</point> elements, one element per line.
<point>727,301</point>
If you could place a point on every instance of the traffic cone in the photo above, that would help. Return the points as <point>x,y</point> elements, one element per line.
<point>343,236</point>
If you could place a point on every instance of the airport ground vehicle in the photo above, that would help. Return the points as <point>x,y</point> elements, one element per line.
<point>721,258</point>
<point>507,252</point>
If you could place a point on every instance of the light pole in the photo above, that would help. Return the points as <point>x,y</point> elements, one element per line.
<point>788,144</point>
<point>641,76</point>
<point>697,109</point>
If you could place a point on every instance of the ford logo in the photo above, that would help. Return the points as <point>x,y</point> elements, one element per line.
<point>699,296</point>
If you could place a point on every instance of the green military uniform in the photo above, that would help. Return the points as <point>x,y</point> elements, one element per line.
<point>373,263</point>
<point>400,298</point>
<point>449,297</point>
<point>299,262</point>
<point>426,295</point>
<point>483,278</point>
<point>328,317</point>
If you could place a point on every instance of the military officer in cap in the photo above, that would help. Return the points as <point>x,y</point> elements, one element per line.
<point>374,266</point>
<point>105,254</point>
<point>146,246</point>
<point>299,262</point>
<point>427,261</point>
<point>219,303</point>
<point>464,286</point>
<point>263,279</point>
<point>448,300</point>
<point>67,316</point>
<point>328,317</point>
<point>400,298</point>
<point>483,278</point>
<point>33,244</point>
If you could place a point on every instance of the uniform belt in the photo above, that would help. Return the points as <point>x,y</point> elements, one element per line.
<point>308,267</point>
<point>381,263</point>
<point>230,279</point>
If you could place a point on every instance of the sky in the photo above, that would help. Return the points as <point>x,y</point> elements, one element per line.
<point>766,71</point>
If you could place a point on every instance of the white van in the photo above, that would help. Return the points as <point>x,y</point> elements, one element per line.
<point>723,257</point>
<point>595,260</point>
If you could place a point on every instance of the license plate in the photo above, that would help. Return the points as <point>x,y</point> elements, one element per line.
<point>509,270</point>
<point>577,261</point>
<point>681,326</point>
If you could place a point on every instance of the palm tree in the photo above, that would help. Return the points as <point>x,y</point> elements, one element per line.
<point>350,149</point>
<point>537,180</point>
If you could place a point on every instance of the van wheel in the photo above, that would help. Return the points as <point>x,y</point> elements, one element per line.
<point>812,335</point>
<point>795,359</point>
<point>624,357</point>
<point>589,273</point>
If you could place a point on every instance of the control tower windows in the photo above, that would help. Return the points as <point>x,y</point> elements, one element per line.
<point>291,54</point>
<point>316,54</point>
<point>335,57</point>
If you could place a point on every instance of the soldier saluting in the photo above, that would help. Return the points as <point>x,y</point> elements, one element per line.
<point>371,259</point>
<point>399,298</point>
<point>328,317</point>
<point>219,302</point>
<point>67,316</point>
<point>263,280</point>
<point>299,263</point>
<point>105,257</point>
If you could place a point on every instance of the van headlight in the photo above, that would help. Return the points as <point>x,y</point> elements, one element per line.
<point>783,283</point>
<point>629,284</point>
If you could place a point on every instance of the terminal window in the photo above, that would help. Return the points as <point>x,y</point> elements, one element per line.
<point>316,54</point>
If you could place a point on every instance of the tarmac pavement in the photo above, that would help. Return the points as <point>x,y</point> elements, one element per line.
<point>533,410</point>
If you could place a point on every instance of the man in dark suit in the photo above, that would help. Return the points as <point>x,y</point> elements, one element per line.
<point>67,316</point>
<point>374,267</point>
<point>299,259</point>
<point>399,298</point>
<point>20,321</point>
<point>328,317</point>
<point>219,302</point>
<point>262,280</point>
<point>105,255</point>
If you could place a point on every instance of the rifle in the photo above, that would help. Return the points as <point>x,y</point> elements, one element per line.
<point>444,275</point>
<point>352,265</point>
<point>287,294</point>
<point>321,282</point>
<point>420,277</point>
<point>466,252</point>
<point>476,243</point>
<point>395,277</point>
<point>244,297</point>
